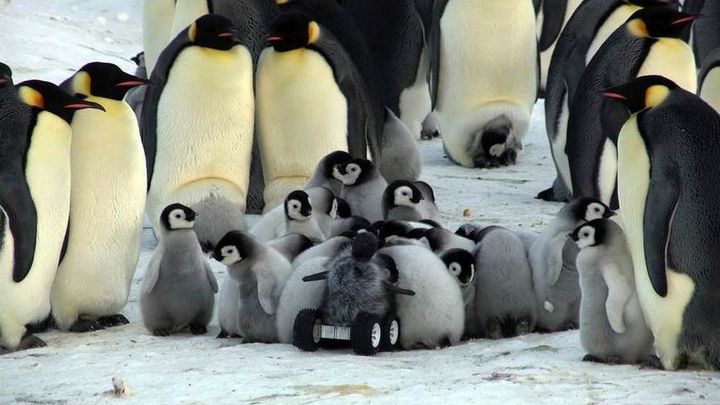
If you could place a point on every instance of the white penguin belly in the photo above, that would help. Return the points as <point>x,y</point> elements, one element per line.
<point>673,59</point>
<point>415,101</point>
<point>710,91</point>
<point>663,315</point>
<point>157,21</point>
<point>546,56</point>
<point>106,213</point>
<point>617,18</point>
<point>608,171</point>
<point>204,130</point>
<point>48,176</point>
<point>302,116</point>
<point>487,68</point>
<point>558,145</point>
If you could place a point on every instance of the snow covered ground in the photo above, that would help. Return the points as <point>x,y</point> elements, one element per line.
<point>49,39</point>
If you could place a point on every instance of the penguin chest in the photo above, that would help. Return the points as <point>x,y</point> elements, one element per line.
<point>673,59</point>
<point>710,91</point>
<point>487,54</point>
<point>205,119</point>
<point>302,113</point>
<point>617,18</point>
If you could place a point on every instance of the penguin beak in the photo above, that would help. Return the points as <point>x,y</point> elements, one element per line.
<point>573,237</point>
<point>226,35</point>
<point>216,256</point>
<point>614,96</point>
<point>81,105</point>
<point>685,20</point>
<point>611,214</point>
<point>402,291</point>
<point>274,39</point>
<point>130,82</point>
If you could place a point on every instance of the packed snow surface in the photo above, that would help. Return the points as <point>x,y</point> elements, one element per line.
<point>50,39</point>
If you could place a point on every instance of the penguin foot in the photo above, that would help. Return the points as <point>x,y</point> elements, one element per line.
<point>546,195</point>
<point>162,332</point>
<point>223,334</point>
<point>593,359</point>
<point>113,320</point>
<point>31,342</point>
<point>571,326</point>
<point>41,326</point>
<point>652,363</point>
<point>428,136</point>
<point>494,329</point>
<point>85,325</point>
<point>445,342</point>
<point>522,327</point>
<point>198,329</point>
<point>509,157</point>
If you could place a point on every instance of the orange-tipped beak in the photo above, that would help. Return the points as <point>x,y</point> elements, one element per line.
<point>131,83</point>
<point>684,20</point>
<point>82,106</point>
<point>614,96</point>
<point>225,35</point>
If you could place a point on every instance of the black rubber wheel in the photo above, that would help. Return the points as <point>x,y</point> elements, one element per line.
<point>366,334</point>
<point>304,330</point>
<point>391,329</point>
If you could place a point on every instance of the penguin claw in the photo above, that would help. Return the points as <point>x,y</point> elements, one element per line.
<point>161,332</point>
<point>113,320</point>
<point>85,325</point>
<point>31,342</point>
<point>652,363</point>
<point>592,359</point>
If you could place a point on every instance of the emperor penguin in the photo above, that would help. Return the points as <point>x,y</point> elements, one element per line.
<point>260,273</point>
<point>704,34</point>
<point>410,201</point>
<point>312,99</point>
<point>588,28</point>
<point>667,166</point>
<point>34,201</point>
<point>106,212</point>
<point>612,325</point>
<point>158,18</point>
<point>179,286</point>
<point>323,175</point>
<point>552,17</point>
<point>483,102</point>
<point>363,188</point>
<point>202,163</point>
<point>552,258</point>
<point>399,54</point>
<point>649,43</point>
<point>709,80</point>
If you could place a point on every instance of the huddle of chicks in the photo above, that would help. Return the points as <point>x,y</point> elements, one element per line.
<point>350,248</point>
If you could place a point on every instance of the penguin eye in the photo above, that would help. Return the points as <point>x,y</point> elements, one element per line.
<point>178,216</point>
<point>586,234</point>
<point>295,206</point>
<point>597,209</point>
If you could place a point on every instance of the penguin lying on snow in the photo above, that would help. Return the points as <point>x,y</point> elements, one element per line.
<point>179,287</point>
<point>612,326</point>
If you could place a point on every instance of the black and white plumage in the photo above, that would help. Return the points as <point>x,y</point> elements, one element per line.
<point>410,201</point>
<point>612,325</point>
<point>178,289</point>
<point>300,216</point>
<point>363,188</point>
<point>323,176</point>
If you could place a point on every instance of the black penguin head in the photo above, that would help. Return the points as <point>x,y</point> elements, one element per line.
<point>177,216</point>
<point>333,159</point>
<point>233,248</point>
<point>586,209</point>
<point>213,31</point>
<point>590,234</point>
<point>461,264</point>
<point>364,246</point>
<point>354,172</point>
<point>659,22</point>
<point>402,193</point>
<point>340,209</point>
<point>298,206</point>
<point>642,93</point>
<point>103,80</point>
<point>5,75</point>
<point>45,96</point>
<point>293,30</point>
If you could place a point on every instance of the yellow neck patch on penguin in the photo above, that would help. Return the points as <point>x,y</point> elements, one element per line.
<point>655,95</point>
<point>192,32</point>
<point>81,83</point>
<point>31,97</point>
<point>638,28</point>
<point>313,32</point>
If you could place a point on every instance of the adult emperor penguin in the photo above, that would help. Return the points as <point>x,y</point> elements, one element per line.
<point>157,21</point>
<point>552,17</point>
<point>705,38</point>
<point>202,163</point>
<point>35,203</point>
<point>483,102</point>
<point>591,24</point>
<point>667,170</point>
<point>397,51</point>
<point>649,43</point>
<point>709,80</point>
<point>106,212</point>
<point>307,84</point>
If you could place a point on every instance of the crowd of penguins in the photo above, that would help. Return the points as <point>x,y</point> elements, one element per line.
<point>312,109</point>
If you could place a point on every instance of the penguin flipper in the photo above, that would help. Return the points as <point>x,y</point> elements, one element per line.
<point>619,294</point>
<point>555,258</point>
<point>434,48</point>
<point>211,278</point>
<point>18,209</point>
<point>552,22</point>
<point>153,271</point>
<point>662,199</point>
<point>265,293</point>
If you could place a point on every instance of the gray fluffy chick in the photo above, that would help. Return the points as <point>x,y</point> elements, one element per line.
<point>179,287</point>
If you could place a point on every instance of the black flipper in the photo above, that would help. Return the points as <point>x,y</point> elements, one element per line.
<point>389,263</point>
<point>660,206</point>
<point>66,239</point>
<point>434,47</point>
<point>552,22</point>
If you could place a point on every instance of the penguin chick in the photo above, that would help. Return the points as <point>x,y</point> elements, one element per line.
<point>291,245</point>
<point>430,127</point>
<point>274,223</point>
<point>363,187</point>
<point>299,217</point>
<point>330,248</point>
<point>552,257</point>
<point>260,273</point>
<point>179,285</point>
<point>434,316</point>
<point>505,301</point>
<point>404,200</point>
<point>612,326</point>
<point>400,157</point>
<point>461,264</point>
<point>323,176</point>
<point>441,240</point>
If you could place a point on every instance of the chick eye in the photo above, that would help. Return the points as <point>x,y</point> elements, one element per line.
<point>585,234</point>
<point>178,216</point>
<point>597,209</point>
